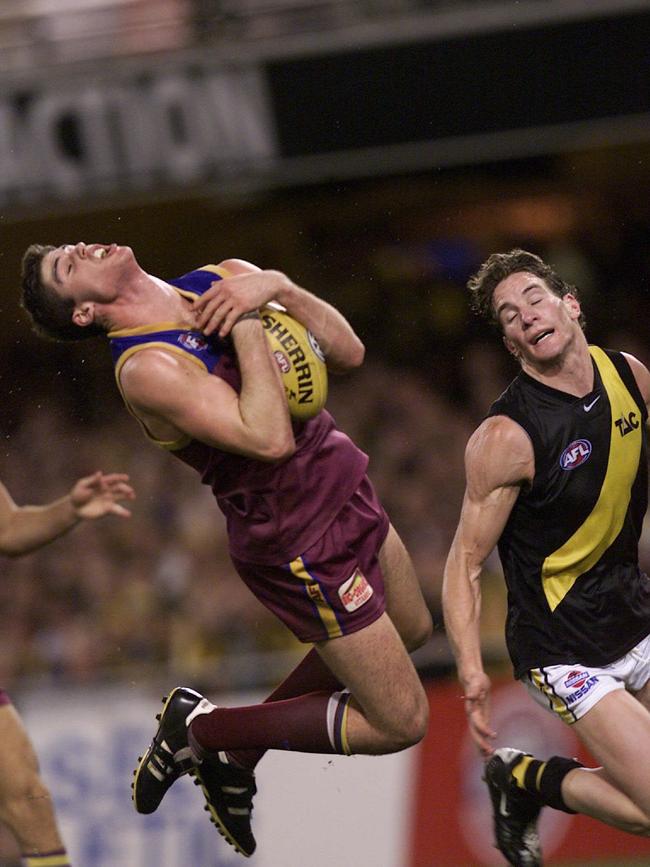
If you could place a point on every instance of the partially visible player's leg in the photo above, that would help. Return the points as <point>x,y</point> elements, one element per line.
<point>389,708</point>
<point>643,696</point>
<point>616,731</point>
<point>25,803</point>
<point>407,609</point>
<point>333,596</point>
<point>387,711</point>
<point>613,725</point>
<point>591,792</point>
<point>404,600</point>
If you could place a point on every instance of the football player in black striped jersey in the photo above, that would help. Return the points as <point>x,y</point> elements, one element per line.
<point>556,477</point>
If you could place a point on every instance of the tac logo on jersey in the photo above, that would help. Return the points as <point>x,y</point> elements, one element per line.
<point>355,592</point>
<point>192,341</point>
<point>575,679</point>
<point>575,454</point>
<point>627,423</point>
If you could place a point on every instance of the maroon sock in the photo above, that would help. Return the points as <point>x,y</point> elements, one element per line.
<point>312,723</point>
<point>310,675</point>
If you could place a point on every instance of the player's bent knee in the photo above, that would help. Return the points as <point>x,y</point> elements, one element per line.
<point>418,633</point>
<point>29,799</point>
<point>413,726</point>
<point>641,828</point>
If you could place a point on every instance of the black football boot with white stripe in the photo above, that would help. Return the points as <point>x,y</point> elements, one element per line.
<point>515,811</point>
<point>169,755</point>
<point>227,789</point>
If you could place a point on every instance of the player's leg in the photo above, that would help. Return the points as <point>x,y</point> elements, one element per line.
<point>383,710</point>
<point>389,708</point>
<point>594,702</point>
<point>407,609</point>
<point>617,793</point>
<point>615,731</point>
<point>389,712</point>
<point>404,599</point>
<point>332,596</point>
<point>25,803</point>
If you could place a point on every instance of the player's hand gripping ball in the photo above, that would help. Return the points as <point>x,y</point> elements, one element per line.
<point>301,362</point>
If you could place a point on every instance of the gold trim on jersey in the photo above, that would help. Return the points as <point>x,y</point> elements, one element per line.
<point>214,269</point>
<point>325,610</point>
<point>583,550</point>
<point>169,445</point>
<point>152,328</point>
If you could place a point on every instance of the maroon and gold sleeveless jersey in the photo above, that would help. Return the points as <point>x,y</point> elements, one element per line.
<point>274,511</point>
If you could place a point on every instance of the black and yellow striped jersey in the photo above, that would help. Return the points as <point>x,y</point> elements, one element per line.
<point>570,548</point>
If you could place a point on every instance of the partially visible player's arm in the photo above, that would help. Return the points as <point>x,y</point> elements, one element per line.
<point>249,288</point>
<point>642,376</point>
<point>164,388</point>
<point>498,460</point>
<point>25,528</point>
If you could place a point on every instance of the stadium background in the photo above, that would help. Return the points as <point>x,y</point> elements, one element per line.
<point>377,151</point>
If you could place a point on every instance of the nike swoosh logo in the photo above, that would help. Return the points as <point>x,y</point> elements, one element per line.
<point>588,406</point>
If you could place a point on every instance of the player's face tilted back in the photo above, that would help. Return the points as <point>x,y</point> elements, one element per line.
<point>87,272</point>
<point>538,326</point>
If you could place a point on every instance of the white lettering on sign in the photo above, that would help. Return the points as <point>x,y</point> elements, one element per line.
<point>170,129</point>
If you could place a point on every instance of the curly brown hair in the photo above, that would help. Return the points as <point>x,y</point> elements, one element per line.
<point>499,266</point>
<point>51,315</point>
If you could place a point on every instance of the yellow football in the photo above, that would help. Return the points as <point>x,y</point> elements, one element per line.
<point>301,362</point>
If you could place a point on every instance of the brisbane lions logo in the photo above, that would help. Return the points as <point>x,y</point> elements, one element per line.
<point>193,341</point>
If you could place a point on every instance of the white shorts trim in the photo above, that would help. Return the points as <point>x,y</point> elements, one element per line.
<point>569,691</point>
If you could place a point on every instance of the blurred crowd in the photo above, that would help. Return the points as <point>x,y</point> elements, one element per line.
<point>125,598</point>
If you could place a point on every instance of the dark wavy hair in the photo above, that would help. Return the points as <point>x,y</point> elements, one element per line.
<point>51,315</point>
<point>501,265</point>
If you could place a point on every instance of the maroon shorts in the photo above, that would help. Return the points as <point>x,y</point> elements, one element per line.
<point>4,697</point>
<point>335,587</point>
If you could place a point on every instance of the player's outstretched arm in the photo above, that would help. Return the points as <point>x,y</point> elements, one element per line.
<point>26,528</point>
<point>498,459</point>
<point>250,288</point>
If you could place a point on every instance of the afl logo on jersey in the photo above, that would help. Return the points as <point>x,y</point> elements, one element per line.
<point>193,341</point>
<point>575,454</point>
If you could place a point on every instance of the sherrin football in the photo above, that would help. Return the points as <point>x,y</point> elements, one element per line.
<point>301,362</point>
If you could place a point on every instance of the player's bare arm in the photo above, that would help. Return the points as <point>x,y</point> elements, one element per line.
<point>174,397</point>
<point>641,375</point>
<point>251,288</point>
<point>26,528</point>
<point>498,461</point>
